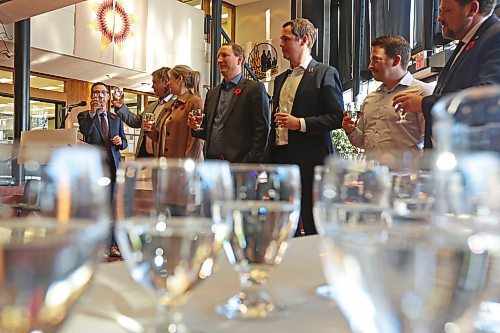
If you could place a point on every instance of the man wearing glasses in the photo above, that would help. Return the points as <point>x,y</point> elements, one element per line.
<point>102,128</point>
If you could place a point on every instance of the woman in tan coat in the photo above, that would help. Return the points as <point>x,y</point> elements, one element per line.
<point>171,135</point>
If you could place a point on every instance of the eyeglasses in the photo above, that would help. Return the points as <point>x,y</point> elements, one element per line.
<point>99,94</point>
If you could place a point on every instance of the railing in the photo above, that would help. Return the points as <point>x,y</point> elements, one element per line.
<point>247,71</point>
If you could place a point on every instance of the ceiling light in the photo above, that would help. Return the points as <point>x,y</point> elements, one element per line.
<point>5,80</point>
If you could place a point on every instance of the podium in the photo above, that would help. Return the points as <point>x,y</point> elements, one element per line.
<point>36,145</point>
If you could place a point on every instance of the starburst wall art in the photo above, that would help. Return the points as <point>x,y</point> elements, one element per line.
<point>113,22</point>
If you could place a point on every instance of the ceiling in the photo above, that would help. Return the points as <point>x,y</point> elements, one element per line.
<point>81,69</point>
<point>16,10</point>
<point>240,2</point>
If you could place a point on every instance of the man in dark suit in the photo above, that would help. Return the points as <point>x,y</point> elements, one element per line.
<point>235,124</point>
<point>475,61</point>
<point>312,94</point>
<point>161,88</point>
<point>102,128</point>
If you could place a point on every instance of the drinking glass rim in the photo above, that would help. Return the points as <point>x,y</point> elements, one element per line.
<point>261,166</point>
<point>74,230</point>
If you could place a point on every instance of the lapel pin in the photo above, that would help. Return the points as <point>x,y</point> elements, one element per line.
<point>310,69</point>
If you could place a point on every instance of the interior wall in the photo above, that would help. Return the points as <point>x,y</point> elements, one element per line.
<point>251,26</point>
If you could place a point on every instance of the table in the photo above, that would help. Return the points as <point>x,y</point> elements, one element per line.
<point>114,297</point>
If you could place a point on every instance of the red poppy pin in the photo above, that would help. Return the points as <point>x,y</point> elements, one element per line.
<point>183,106</point>
<point>112,116</point>
<point>470,45</point>
<point>237,91</point>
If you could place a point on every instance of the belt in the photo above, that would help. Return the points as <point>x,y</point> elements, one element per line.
<point>216,157</point>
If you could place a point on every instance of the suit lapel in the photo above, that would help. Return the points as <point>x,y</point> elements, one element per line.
<point>97,124</point>
<point>212,105</point>
<point>306,80</point>
<point>241,85</point>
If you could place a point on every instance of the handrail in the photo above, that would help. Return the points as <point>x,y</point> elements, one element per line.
<point>247,71</point>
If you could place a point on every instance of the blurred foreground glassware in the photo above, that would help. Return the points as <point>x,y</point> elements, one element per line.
<point>349,190</point>
<point>398,277</point>
<point>413,197</point>
<point>49,253</point>
<point>171,226</point>
<point>265,212</point>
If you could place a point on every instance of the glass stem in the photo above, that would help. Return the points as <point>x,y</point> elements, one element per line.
<point>168,319</point>
<point>253,280</point>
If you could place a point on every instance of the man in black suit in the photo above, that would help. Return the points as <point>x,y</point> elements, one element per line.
<point>235,124</point>
<point>475,61</point>
<point>312,94</point>
<point>102,128</point>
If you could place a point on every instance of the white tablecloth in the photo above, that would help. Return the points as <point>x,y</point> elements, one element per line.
<point>115,298</point>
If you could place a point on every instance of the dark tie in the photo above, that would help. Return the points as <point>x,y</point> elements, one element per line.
<point>104,126</point>
<point>441,83</point>
<point>455,53</point>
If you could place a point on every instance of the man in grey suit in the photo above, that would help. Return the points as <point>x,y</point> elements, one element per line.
<point>311,92</point>
<point>235,124</point>
<point>162,91</point>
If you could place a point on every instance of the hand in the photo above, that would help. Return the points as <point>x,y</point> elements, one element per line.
<point>407,102</point>
<point>286,120</point>
<point>116,140</point>
<point>117,102</point>
<point>147,125</point>
<point>194,122</point>
<point>347,123</point>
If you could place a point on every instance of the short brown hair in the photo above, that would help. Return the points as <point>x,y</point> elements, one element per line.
<point>161,74</point>
<point>303,27</point>
<point>99,84</point>
<point>395,45</point>
<point>485,6</point>
<point>237,49</point>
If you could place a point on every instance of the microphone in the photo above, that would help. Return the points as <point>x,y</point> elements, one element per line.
<point>71,106</point>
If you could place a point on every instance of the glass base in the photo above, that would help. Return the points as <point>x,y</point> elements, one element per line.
<point>250,306</point>
<point>402,121</point>
<point>325,291</point>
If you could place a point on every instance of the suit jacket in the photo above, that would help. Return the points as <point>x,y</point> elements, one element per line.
<point>246,122</point>
<point>171,135</point>
<point>135,121</point>
<point>320,102</point>
<point>478,64</point>
<point>92,133</point>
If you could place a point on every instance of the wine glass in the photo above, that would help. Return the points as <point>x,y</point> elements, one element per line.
<point>198,113</point>
<point>171,226</point>
<point>281,132</point>
<point>401,114</point>
<point>265,213</point>
<point>50,252</point>
<point>397,277</point>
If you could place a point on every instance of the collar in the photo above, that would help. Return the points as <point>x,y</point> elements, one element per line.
<point>306,62</point>
<point>406,81</point>
<point>166,99</point>
<point>467,38</point>
<point>234,81</point>
<point>183,98</point>
<point>103,112</point>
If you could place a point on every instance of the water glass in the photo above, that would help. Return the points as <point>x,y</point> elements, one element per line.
<point>50,250</point>
<point>265,212</point>
<point>171,226</point>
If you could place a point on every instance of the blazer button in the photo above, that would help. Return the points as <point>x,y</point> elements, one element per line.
<point>168,133</point>
<point>170,118</point>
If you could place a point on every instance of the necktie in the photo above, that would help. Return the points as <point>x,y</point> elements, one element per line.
<point>105,128</point>
<point>456,52</point>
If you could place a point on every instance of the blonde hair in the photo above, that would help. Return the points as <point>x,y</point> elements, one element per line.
<point>191,77</point>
